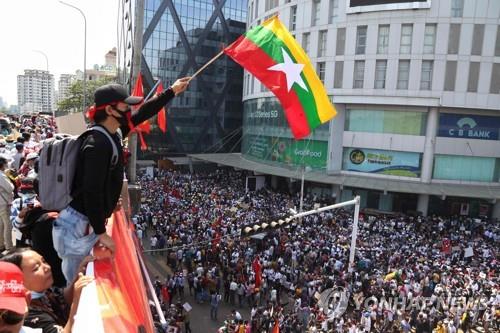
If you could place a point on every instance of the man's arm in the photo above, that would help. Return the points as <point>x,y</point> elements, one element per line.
<point>154,105</point>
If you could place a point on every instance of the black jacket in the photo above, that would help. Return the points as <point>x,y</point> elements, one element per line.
<point>97,185</point>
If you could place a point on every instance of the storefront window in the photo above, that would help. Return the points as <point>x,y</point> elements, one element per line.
<point>380,121</point>
<point>467,168</point>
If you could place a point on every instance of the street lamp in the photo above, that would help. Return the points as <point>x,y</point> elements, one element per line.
<point>84,54</point>
<point>47,69</point>
<point>46,58</point>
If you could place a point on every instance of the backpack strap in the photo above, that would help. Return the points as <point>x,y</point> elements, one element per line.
<point>114,158</point>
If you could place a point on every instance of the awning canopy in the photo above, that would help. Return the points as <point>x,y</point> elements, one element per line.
<point>236,160</point>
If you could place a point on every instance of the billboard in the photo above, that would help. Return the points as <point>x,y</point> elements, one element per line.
<point>387,162</point>
<point>357,6</point>
<point>312,153</point>
<point>469,126</point>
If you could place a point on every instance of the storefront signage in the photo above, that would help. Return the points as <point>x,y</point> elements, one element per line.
<point>469,126</point>
<point>386,162</point>
<point>312,153</point>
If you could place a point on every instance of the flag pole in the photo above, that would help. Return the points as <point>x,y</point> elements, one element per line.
<point>206,65</point>
<point>152,91</point>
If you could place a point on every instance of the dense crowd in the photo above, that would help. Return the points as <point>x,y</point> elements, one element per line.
<point>423,273</point>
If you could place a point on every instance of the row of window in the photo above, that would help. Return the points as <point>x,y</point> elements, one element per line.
<point>457,8</point>
<point>405,41</point>
<point>403,77</point>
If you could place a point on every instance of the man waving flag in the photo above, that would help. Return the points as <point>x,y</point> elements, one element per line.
<point>271,54</point>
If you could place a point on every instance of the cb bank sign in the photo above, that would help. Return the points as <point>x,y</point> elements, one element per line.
<point>469,126</point>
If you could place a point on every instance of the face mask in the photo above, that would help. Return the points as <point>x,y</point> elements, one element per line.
<point>124,119</point>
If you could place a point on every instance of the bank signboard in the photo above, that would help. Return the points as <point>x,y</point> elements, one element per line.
<point>469,126</point>
<point>312,153</point>
<point>394,163</point>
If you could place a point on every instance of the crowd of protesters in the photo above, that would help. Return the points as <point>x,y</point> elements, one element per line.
<point>410,273</point>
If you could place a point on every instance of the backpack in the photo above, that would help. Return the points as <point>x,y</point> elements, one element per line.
<point>57,167</point>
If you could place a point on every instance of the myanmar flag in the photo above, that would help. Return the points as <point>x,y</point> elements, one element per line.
<point>271,54</point>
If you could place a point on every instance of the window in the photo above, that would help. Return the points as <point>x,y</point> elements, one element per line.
<point>426,76</point>
<point>359,74</point>
<point>320,68</point>
<point>406,37</point>
<point>454,39</point>
<point>429,38</point>
<point>340,41</point>
<point>477,40</point>
<point>450,76</point>
<point>380,70</point>
<point>305,42</point>
<point>338,76</point>
<point>497,43</point>
<point>473,76</point>
<point>495,79</point>
<point>322,43</point>
<point>316,7</point>
<point>361,39</point>
<point>333,9</point>
<point>384,121</point>
<point>468,168</point>
<point>293,18</point>
<point>457,8</point>
<point>383,39</point>
<point>256,9</point>
<point>270,4</point>
<point>403,74</point>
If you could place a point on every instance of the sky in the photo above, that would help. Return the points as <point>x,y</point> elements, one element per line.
<point>58,31</point>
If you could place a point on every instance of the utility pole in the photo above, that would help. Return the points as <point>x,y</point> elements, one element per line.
<point>136,69</point>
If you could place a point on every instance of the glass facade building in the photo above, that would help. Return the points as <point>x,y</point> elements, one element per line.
<point>179,37</point>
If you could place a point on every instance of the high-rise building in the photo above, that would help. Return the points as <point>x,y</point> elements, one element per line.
<point>64,84</point>
<point>180,36</point>
<point>35,91</point>
<point>416,85</point>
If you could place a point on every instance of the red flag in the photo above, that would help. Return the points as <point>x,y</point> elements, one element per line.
<point>138,91</point>
<point>276,328</point>
<point>257,268</point>
<point>446,246</point>
<point>144,127</point>
<point>162,115</point>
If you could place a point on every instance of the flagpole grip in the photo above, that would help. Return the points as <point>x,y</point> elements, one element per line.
<point>206,65</point>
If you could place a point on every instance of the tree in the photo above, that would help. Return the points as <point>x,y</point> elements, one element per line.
<point>74,101</point>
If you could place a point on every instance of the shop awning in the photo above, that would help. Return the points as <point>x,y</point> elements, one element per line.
<point>236,160</point>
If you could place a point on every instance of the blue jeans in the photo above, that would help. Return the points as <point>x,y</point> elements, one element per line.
<point>71,240</point>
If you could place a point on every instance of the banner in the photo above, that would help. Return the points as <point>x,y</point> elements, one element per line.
<point>469,126</point>
<point>312,153</point>
<point>394,163</point>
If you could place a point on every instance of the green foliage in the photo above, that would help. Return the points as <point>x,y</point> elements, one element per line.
<point>74,101</point>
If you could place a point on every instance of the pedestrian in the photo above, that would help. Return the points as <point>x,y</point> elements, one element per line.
<point>98,181</point>
<point>6,197</point>
<point>214,305</point>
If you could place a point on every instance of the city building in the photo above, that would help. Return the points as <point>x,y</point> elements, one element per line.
<point>97,72</point>
<point>35,91</point>
<point>179,37</point>
<point>416,85</point>
<point>64,84</point>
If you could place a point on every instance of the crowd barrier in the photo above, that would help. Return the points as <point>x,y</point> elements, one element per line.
<point>117,301</point>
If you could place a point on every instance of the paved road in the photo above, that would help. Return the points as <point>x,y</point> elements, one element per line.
<point>200,315</point>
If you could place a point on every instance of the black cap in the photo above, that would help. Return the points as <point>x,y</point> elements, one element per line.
<point>114,93</point>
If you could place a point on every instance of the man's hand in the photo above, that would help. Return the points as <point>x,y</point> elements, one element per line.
<point>180,85</point>
<point>107,241</point>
